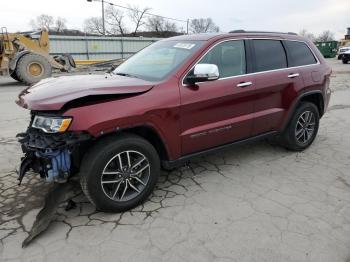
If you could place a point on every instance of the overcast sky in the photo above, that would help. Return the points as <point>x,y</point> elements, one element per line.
<point>273,15</point>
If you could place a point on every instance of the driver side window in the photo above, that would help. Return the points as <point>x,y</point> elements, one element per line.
<point>229,56</point>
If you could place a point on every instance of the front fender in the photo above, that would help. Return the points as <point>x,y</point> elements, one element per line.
<point>102,119</point>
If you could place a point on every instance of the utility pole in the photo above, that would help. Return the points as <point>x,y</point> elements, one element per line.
<point>103,15</point>
<point>188,23</point>
<point>103,18</point>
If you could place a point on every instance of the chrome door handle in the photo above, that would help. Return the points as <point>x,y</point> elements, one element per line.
<point>244,84</point>
<point>293,75</point>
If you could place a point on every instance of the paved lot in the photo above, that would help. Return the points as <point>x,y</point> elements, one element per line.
<point>253,203</point>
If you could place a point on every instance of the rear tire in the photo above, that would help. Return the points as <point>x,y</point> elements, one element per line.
<point>345,61</point>
<point>107,169</point>
<point>302,128</point>
<point>31,68</point>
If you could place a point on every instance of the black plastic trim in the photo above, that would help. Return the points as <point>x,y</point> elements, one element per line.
<point>182,160</point>
<point>249,56</point>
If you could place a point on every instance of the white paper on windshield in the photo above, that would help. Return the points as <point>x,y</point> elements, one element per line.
<point>184,45</point>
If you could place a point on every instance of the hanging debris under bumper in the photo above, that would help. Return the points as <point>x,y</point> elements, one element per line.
<point>49,154</point>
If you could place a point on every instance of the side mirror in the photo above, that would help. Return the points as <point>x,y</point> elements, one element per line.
<point>203,73</point>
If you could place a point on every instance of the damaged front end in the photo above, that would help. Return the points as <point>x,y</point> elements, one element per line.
<point>55,156</point>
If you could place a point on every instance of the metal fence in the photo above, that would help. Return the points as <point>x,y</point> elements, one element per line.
<point>98,48</point>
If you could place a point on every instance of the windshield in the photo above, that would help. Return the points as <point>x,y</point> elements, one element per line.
<point>157,61</point>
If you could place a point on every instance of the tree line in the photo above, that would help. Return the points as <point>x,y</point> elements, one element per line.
<point>130,22</point>
<point>325,36</point>
<point>136,19</point>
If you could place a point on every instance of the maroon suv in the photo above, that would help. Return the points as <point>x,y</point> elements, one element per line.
<point>176,99</point>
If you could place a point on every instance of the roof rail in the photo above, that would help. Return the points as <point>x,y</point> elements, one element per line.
<point>244,31</point>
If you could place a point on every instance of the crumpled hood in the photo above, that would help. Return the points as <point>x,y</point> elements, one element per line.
<point>53,93</point>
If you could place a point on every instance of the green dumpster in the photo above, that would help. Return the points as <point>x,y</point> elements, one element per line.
<point>328,49</point>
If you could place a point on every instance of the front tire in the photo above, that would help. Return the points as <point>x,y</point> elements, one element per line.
<point>345,61</point>
<point>31,68</point>
<point>302,128</point>
<point>119,173</point>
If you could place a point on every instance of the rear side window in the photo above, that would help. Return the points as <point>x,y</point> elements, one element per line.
<point>269,55</point>
<point>299,54</point>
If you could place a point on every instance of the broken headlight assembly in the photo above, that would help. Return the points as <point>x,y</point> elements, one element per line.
<point>50,124</point>
<point>49,148</point>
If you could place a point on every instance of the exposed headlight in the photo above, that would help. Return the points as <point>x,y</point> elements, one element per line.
<point>51,124</point>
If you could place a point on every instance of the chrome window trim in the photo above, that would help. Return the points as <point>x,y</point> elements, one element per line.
<point>255,73</point>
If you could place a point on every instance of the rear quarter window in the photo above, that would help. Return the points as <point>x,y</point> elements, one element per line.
<point>269,55</point>
<point>299,54</point>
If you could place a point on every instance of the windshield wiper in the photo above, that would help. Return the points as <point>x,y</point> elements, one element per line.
<point>126,74</point>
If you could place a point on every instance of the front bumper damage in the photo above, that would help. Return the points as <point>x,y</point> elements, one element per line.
<point>50,155</point>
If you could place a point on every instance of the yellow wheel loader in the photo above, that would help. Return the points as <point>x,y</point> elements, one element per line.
<point>27,60</point>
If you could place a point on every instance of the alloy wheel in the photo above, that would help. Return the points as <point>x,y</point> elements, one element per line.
<point>125,176</point>
<point>305,127</point>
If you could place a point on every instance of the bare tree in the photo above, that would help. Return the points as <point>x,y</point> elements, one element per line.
<point>307,34</point>
<point>60,24</point>
<point>203,25</point>
<point>115,20</point>
<point>170,27</point>
<point>325,36</point>
<point>137,16</point>
<point>155,24</point>
<point>159,25</point>
<point>94,25</point>
<point>181,30</point>
<point>42,21</point>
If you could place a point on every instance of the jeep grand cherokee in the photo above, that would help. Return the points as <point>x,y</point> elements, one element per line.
<point>176,99</point>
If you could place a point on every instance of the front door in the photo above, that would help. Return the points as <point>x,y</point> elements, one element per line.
<point>218,112</point>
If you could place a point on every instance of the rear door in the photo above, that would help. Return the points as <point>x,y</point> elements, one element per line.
<point>275,83</point>
<point>218,112</point>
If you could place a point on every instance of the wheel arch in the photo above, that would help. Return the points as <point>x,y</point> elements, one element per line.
<point>315,97</point>
<point>148,133</point>
<point>151,135</point>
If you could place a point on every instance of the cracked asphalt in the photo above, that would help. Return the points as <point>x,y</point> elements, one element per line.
<point>256,202</point>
